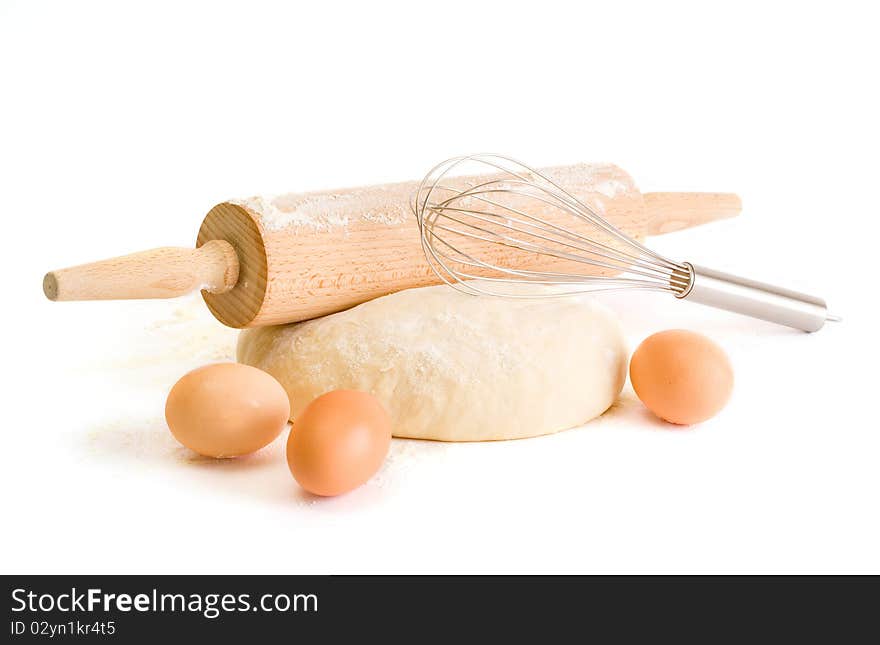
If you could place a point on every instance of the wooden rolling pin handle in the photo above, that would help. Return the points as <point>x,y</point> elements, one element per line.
<point>668,212</point>
<point>158,273</point>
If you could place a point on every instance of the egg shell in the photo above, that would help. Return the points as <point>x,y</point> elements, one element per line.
<point>681,376</point>
<point>338,442</point>
<point>226,409</point>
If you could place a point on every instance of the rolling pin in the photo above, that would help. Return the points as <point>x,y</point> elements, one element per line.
<point>271,260</point>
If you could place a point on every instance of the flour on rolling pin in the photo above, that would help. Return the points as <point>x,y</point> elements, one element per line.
<point>389,204</point>
<point>272,260</point>
<point>324,212</point>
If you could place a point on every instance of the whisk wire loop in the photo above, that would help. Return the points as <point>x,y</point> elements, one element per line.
<point>523,211</point>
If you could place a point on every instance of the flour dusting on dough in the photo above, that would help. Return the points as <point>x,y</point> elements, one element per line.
<point>453,367</point>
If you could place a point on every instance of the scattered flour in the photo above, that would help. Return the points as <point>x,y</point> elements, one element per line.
<point>406,457</point>
<point>162,351</point>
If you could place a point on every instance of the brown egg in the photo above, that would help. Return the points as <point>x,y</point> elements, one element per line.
<point>681,376</point>
<point>338,442</point>
<point>226,409</point>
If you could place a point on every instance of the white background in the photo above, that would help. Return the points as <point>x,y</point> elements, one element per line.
<point>121,126</point>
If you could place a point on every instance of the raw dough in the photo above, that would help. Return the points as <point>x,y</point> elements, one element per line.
<point>454,367</point>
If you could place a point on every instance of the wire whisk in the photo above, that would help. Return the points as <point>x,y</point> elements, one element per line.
<point>515,226</point>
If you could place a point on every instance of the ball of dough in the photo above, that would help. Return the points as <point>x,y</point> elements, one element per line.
<point>454,367</point>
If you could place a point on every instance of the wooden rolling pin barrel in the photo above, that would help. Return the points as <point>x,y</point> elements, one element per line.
<point>267,261</point>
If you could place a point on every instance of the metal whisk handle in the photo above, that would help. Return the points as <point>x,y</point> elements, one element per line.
<point>755,299</point>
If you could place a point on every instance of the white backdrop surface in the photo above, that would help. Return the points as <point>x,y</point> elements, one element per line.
<point>120,126</point>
